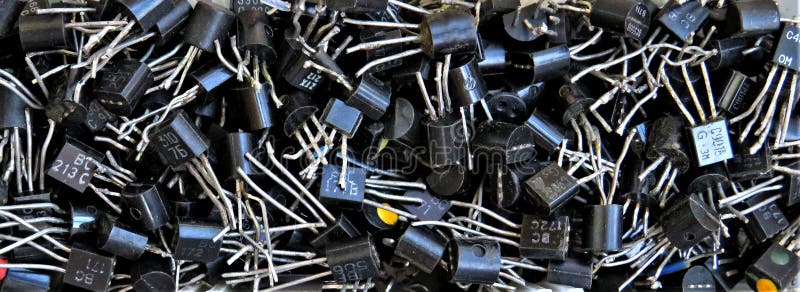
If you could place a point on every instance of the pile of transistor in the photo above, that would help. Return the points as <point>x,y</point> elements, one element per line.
<point>399,145</point>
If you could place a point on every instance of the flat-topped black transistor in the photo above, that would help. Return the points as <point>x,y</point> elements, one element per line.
<point>342,117</point>
<point>446,145</point>
<point>766,221</point>
<point>787,53</point>
<point>253,107</point>
<point>177,140</point>
<point>544,237</point>
<point>711,142</point>
<point>683,19</point>
<point>752,17</point>
<point>153,273</point>
<point>551,187</point>
<point>254,34</point>
<point>353,259</point>
<point>432,208</point>
<point>89,270</point>
<point>121,86</point>
<point>97,116</point>
<point>571,272</point>
<point>72,165</point>
<point>194,240</point>
<point>351,196</point>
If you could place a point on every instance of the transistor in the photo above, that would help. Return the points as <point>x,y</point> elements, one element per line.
<point>551,187</point>
<point>547,134</point>
<point>602,231</point>
<point>353,260</point>
<point>766,220</point>
<point>119,240</point>
<point>341,229</point>
<point>120,88</point>
<point>571,271</point>
<point>538,66</point>
<point>195,240</point>
<point>630,18</point>
<point>449,31</point>
<point>431,209</point>
<point>146,205</point>
<point>258,110</point>
<point>207,25</point>
<point>683,19</point>
<point>752,17</point>
<point>502,143</point>
<point>786,50</point>
<point>544,237</point>
<point>298,109</point>
<point>153,272</point>
<point>178,141</point>
<point>734,92</point>
<point>89,270</point>
<point>474,261</point>
<point>73,165</point>
<point>688,222</point>
<point>420,247</point>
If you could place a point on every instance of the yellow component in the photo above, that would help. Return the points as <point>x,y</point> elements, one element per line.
<point>388,217</point>
<point>766,285</point>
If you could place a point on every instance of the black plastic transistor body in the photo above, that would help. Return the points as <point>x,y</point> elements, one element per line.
<point>178,141</point>
<point>73,166</point>
<point>89,270</point>
<point>544,237</point>
<point>353,259</point>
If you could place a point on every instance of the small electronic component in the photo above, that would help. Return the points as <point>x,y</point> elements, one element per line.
<point>500,143</point>
<point>89,270</point>
<point>698,279</point>
<point>431,208</point>
<point>767,220</point>
<point>341,229</point>
<point>353,259</point>
<point>752,17</point>
<point>683,19</point>
<point>551,187</point>
<point>544,238</point>
<point>420,247</point>
<point>73,165</point>
<point>120,87</point>
<point>571,272</point>
<point>349,197</point>
<point>194,240</point>
<point>689,222</point>
<point>474,261</point>
<point>153,273</point>
<point>342,117</point>
<point>119,240</point>
<point>146,205</point>
<point>774,270</point>
<point>547,134</point>
<point>178,141</point>
<point>711,143</point>
<point>630,18</point>
<point>602,230</point>
<point>745,166</point>
<point>446,145</point>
